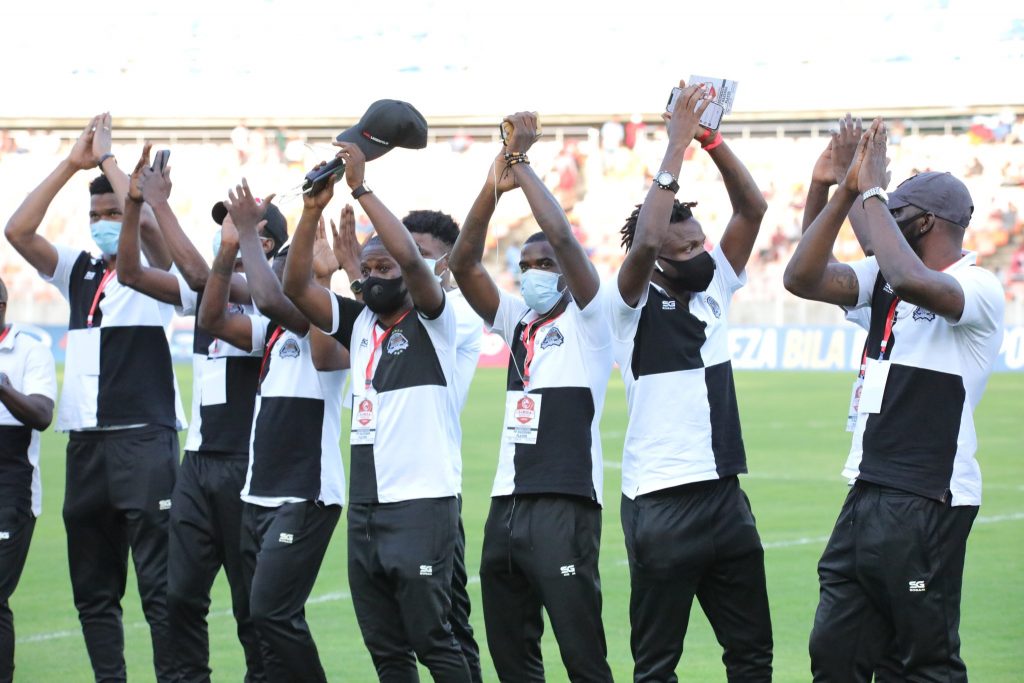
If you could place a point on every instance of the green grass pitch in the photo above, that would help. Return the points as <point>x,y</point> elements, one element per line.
<point>793,427</point>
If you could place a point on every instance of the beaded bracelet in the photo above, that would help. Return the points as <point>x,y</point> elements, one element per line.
<point>518,160</point>
<point>509,156</point>
<point>715,142</point>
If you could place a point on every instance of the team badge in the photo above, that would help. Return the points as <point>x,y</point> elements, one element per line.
<point>365,413</point>
<point>397,343</point>
<point>236,308</point>
<point>290,349</point>
<point>921,314</point>
<point>525,410</point>
<point>714,306</point>
<point>552,338</point>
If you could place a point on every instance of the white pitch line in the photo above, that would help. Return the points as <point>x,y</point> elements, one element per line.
<point>345,595</point>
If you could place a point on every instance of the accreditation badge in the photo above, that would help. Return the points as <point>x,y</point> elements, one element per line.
<point>522,418</point>
<point>875,377</point>
<point>364,419</point>
<point>851,414</point>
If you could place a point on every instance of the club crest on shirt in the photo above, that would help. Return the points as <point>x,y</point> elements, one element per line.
<point>921,314</point>
<point>290,349</point>
<point>236,308</point>
<point>715,308</point>
<point>552,338</point>
<point>397,343</point>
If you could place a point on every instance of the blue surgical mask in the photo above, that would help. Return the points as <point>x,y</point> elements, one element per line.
<point>106,234</point>
<point>540,289</point>
<point>216,242</point>
<point>432,265</point>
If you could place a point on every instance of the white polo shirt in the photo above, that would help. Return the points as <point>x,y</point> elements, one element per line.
<point>572,359</point>
<point>923,439</point>
<point>118,371</point>
<point>295,454</point>
<point>684,423</point>
<point>30,367</point>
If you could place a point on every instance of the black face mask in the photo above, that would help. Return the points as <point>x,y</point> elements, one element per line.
<point>384,296</point>
<point>694,275</point>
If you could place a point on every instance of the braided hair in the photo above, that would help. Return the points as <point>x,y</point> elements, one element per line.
<point>680,212</point>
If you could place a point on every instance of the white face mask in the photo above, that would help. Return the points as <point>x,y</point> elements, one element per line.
<point>432,265</point>
<point>540,289</point>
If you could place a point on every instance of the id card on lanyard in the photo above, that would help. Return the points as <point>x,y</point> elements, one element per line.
<point>90,341</point>
<point>366,404</point>
<point>522,411</point>
<point>876,372</point>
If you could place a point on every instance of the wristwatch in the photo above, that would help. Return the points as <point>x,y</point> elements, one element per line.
<point>103,158</point>
<point>356,287</point>
<point>666,181</point>
<point>361,190</point>
<point>874,192</point>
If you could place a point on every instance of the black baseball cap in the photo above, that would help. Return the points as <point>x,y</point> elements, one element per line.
<point>385,125</point>
<point>939,193</point>
<point>276,227</point>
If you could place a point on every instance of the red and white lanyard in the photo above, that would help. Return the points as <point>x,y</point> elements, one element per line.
<point>107,277</point>
<point>529,339</point>
<point>890,319</point>
<point>377,341</point>
<point>270,347</point>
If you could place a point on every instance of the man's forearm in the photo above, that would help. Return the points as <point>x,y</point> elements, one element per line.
<point>32,411</point>
<point>744,194</point>
<point>469,247</point>
<point>26,219</point>
<point>183,252</point>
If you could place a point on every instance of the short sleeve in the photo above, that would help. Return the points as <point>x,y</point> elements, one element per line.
<point>866,271</point>
<point>260,324</point>
<point>731,281</point>
<point>189,297</point>
<point>40,373</point>
<point>344,312</point>
<point>511,311</point>
<point>61,278</point>
<point>469,329</point>
<point>984,300</point>
<point>622,317</point>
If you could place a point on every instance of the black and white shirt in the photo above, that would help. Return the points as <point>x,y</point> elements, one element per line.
<point>29,366</point>
<point>922,439</point>
<point>224,384</point>
<point>468,336</point>
<point>572,359</point>
<point>684,423</point>
<point>295,454</point>
<point>414,451</point>
<point>118,371</point>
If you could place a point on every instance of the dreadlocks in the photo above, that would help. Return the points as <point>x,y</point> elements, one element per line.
<point>680,212</point>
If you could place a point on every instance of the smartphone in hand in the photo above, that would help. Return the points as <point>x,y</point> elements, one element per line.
<point>160,161</point>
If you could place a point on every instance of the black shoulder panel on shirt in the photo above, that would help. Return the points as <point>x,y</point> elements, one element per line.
<point>407,358</point>
<point>668,337</point>
<point>348,310</point>
<point>82,288</point>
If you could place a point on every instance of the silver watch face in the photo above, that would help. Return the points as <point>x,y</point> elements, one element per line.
<point>664,178</point>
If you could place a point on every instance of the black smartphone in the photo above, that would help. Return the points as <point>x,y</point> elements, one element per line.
<point>160,160</point>
<point>318,177</point>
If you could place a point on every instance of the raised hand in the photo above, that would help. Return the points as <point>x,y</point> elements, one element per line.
<point>824,171</point>
<point>156,185</point>
<point>355,163</point>
<point>500,175</point>
<point>229,233</point>
<point>524,131</point>
<point>872,169</point>
<point>684,121</point>
<point>101,139</point>
<point>135,181</point>
<point>844,146</point>
<point>325,263</point>
<point>345,244</point>
<point>245,210</point>
<point>81,156</point>
<point>320,200</point>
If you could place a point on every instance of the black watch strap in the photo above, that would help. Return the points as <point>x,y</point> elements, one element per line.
<point>360,191</point>
<point>356,286</point>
